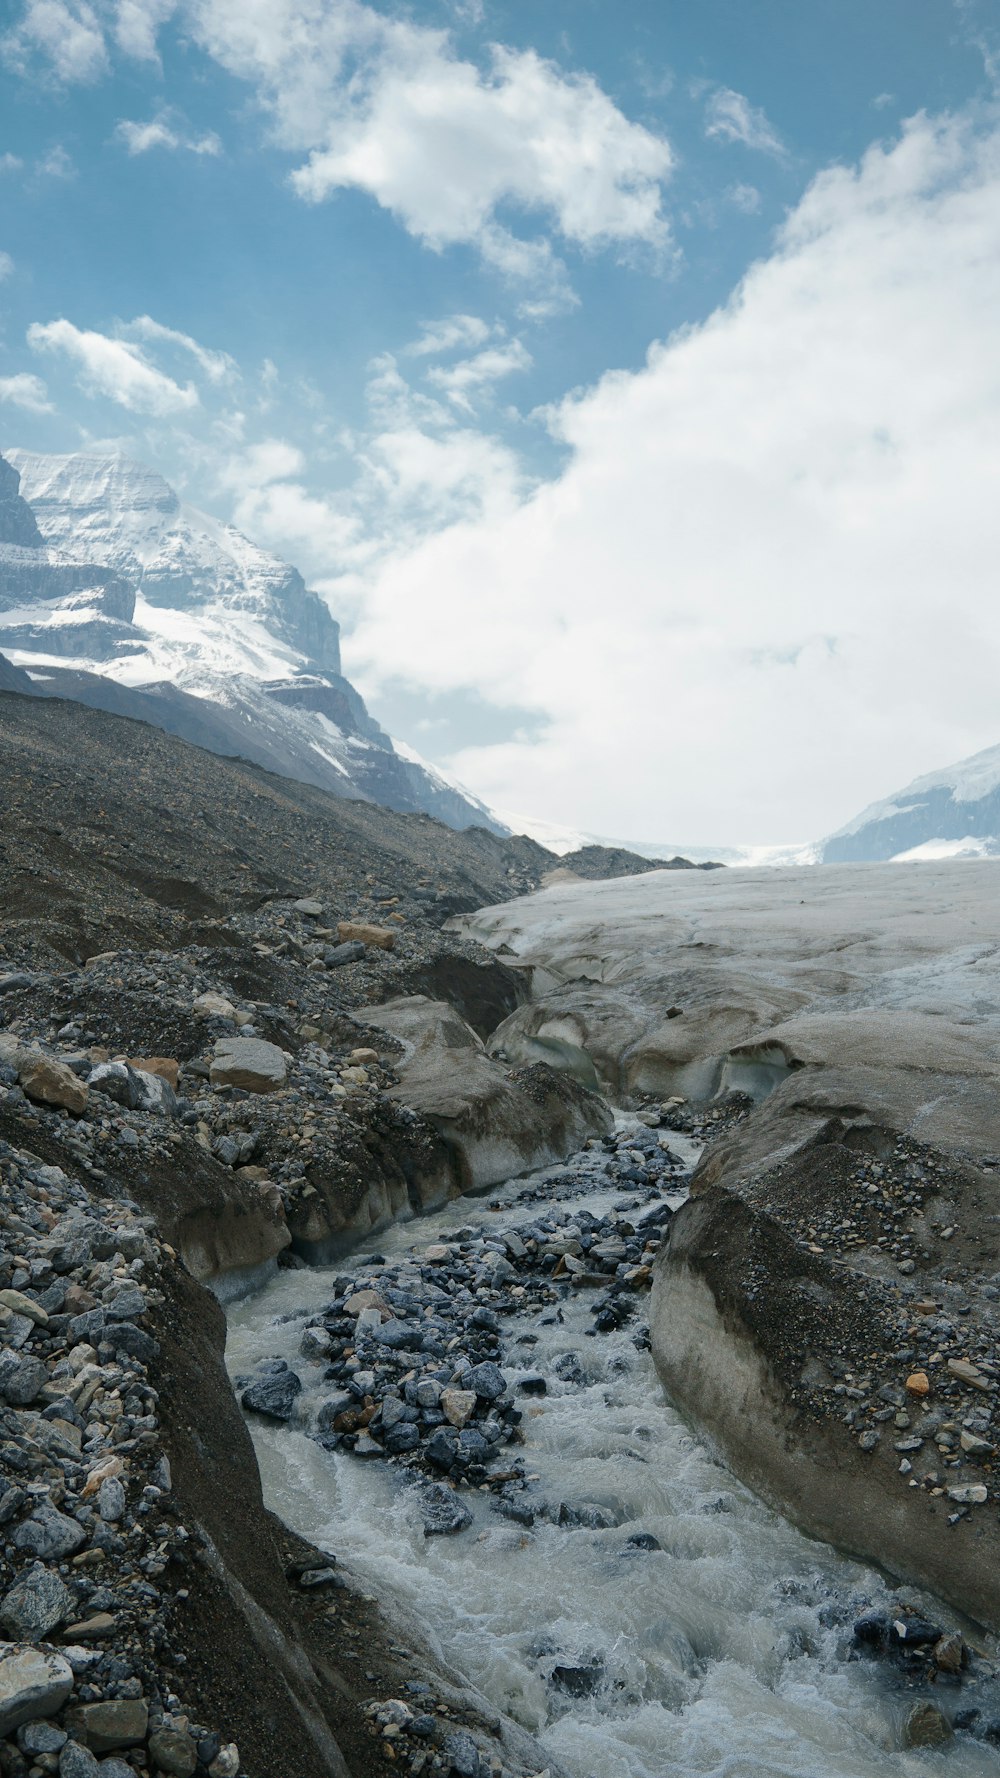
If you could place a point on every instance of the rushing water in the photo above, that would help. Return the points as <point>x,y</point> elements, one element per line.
<point>724,1653</point>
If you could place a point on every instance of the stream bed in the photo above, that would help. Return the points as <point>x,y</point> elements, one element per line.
<point>646,1617</point>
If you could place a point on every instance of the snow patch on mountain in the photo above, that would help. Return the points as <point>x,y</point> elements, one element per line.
<point>950,813</point>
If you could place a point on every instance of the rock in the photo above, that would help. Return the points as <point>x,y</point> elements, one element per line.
<point>163,1067</point>
<point>458,1406</point>
<point>356,932</point>
<point>918,1383</point>
<point>969,1494</point>
<point>338,955</point>
<point>462,1756</point>
<point>111,1500</point>
<point>173,1752</point>
<point>966,1372</point>
<point>273,1393</point>
<point>363,1058</point>
<point>41,1737</point>
<point>312,909</point>
<point>52,1083</point>
<point>19,1304</point>
<point>250,1063</point>
<point>21,1378</point>
<point>226,1763</point>
<point>117,1081</point>
<point>49,1534</point>
<point>487,1380</point>
<point>35,1604</point>
<point>949,1653</point>
<point>118,1722</point>
<point>77,1762</point>
<point>442,1511</point>
<point>32,1684</point>
<point>926,1727</point>
<point>214,1006</point>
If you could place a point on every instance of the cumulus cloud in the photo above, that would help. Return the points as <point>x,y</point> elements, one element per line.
<point>113,368</point>
<point>65,36</point>
<point>27,392</point>
<point>763,589</point>
<point>6,266</point>
<point>730,117</point>
<point>384,105</point>
<point>55,163</point>
<point>165,130</point>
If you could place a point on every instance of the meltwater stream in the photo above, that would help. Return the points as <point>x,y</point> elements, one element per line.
<point>723,1653</point>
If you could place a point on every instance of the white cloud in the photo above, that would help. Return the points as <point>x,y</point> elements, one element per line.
<point>454,331</point>
<point>217,366</point>
<point>10,163</point>
<point>66,35</point>
<point>763,590</point>
<point>137,23</point>
<point>386,106</point>
<point>744,197</point>
<point>55,164</point>
<point>6,266</point>
<point>113,368</point>
<point>27,392</point>
<point>459,382</point>
<point>383,105</point>
<point>165,131</point>
<point>730,117</point>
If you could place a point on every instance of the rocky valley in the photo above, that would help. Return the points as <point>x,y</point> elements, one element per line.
<point>437,1513</point>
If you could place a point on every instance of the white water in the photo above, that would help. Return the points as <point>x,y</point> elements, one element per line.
<point>723,1655</point>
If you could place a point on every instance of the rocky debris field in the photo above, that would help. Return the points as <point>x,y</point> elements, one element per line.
<point>405,1363</point>
<point>95,1552</point>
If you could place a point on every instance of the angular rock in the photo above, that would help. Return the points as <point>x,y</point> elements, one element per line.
<point>173,1752</point>
<point>35,1604</point>
<point>250,1063</point>
<point>487,1380</point>
<point>117,1722</point>
<point>49,1534</point>
<point>21,1378</point>
<point>273,1393</point>
<point>356,932</point>
<point>926,1727</point>
<point>77,1762</point>
<point>458,1406</point>
<point>32,1684</point>
<point>52,1083</point>
<point>442,1511</point>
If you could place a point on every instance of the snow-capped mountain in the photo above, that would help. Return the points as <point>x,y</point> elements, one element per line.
<point>114,592</point>
<point>954,813</point>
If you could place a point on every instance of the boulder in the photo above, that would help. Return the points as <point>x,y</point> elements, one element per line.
<point>164,1067</point>
<point>52,1083</point>
<point>117,1722</point>
<point>250,1063</point>
<point>357,932</point>
<point>32,1684</point>
<point>35,1604</point>
<point>213,1006</point>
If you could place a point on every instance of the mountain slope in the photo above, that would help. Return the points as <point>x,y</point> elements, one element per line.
<point>115,593</point>
<point>947,814</point>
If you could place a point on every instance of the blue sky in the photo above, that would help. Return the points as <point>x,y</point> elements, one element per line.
<point>361,277</point>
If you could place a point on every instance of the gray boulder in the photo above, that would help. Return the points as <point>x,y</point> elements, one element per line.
<point>32,1684</point>
<point>250,1063</point>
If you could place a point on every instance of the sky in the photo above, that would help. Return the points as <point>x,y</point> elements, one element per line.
<point>625,376</point>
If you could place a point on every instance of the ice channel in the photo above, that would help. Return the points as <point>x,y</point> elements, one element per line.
<point>723,1653</point>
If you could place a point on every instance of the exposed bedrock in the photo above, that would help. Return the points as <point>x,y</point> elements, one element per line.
<point>495,1121</point>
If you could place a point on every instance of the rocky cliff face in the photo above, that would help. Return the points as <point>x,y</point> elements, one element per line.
<point>115,592</point>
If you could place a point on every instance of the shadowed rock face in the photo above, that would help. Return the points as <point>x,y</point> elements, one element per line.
<point>842,1238</point>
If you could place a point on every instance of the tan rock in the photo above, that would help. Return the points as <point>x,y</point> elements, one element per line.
<point>925,1727</point>
<point>164,1067</point>
<point>364,1057</point>
<point>356,932</point>
<point>365,1299</point>
<point>214,1006</point>
<point>52,1083</point>
<point>966,1372</point>
<point>119,1722</point>
<point>918,1383</point>
<point>19,1304</point>
<point>458,1406</point>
